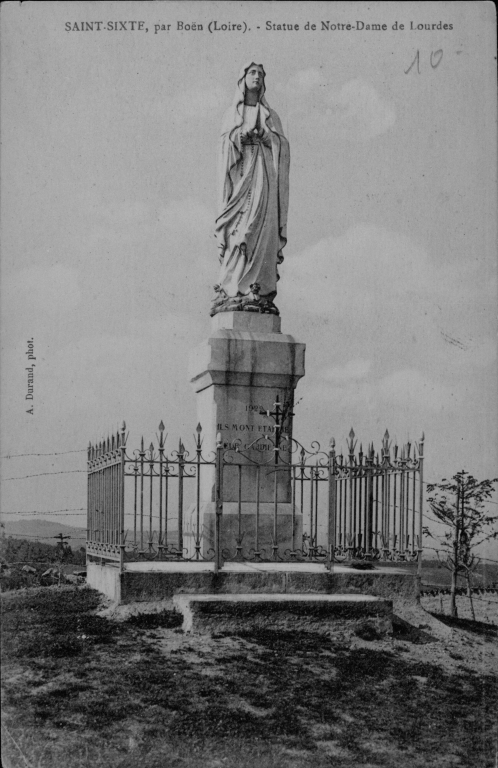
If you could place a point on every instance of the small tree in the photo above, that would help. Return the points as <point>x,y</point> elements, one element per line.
<point>460,504</point>
<point>63,554</point>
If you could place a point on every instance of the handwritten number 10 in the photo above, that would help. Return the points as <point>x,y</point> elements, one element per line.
<point>436,57</point>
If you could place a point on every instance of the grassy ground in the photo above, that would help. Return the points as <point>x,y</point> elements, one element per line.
<point>84,690</point>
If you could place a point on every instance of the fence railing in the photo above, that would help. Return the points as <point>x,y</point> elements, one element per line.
<point>273,501</point>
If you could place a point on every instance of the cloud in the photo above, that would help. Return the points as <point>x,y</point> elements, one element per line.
<point>360,111</point>
<point>399,333</point>
<point>355,112</point>
<point>372,276</point>
<point>367,271</point>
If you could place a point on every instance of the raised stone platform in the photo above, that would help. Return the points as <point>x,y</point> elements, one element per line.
<point>160,581</point>
<point>323,614</point>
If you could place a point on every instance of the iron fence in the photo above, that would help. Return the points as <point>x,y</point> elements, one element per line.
<point>273,501</point>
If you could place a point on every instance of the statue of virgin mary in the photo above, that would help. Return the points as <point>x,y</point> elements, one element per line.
<point>254,186</point>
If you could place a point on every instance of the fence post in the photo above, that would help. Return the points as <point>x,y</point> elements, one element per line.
<point>89,499</point>
<point>332,506</point>
<point>181,462</point>
<point>421,505</point>
<point>121,497</point>
<point>369,505</point>
<point>219,503</point>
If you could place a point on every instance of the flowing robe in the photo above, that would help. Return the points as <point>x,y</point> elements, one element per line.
<point>254,181</point>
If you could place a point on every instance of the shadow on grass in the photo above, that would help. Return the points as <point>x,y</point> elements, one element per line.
<point>163,620</point>
<point>477,627</point>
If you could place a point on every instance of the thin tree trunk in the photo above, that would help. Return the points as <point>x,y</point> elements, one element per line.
<point>469,595</point>
<point>454,564</point>
<point>454,575</point>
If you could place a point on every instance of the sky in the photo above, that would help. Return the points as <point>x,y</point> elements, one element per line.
<point>109,190</point>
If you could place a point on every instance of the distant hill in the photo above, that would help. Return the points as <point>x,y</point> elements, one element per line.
<point>44,530</point>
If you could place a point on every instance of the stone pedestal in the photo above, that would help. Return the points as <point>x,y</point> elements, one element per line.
<point>238,373</point>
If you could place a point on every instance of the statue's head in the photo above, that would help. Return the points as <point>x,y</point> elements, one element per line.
<point>254,78</point>
<point>251,79</point>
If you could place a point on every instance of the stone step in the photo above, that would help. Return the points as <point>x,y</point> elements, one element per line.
<point>319,613</point>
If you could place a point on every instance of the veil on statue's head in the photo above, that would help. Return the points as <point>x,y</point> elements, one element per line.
<point>234,117</point>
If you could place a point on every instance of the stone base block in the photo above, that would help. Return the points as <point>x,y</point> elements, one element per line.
<point>150,581</point>
<point>323,614</point>
<point>286,526</point>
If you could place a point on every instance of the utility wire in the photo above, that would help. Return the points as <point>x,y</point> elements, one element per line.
<point>65,472</point>
<point>46,512</point>
<point>60,453</point>
<point>40,538</point>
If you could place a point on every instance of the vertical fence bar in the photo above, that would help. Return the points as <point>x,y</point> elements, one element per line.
<point>389,486</point>
<point>312,530</point>
<point>359,483</point>
<point>166,500</point>
<point>413,511</point>
<point>142,455</point>
<point>377,505</point>
<point>161,459</point>
<point>317,479</point>
<point>257,553</point>
<point>293,508</point>
<point>344,488</point>
<point>332,506</point>
<point>219,503</point>
<point>88,493</point>
<point>108,489</point>
<point>198,495</point>
<point>401,511</point>
<point>135,506</point>
<point>351,532</point>
<point>101,506</point>
<point>421,505</point>
<point>301,485</point>
<point>275,491</point>
<point>151,472</point>
<point>338,515</point>
<point>116,503</point>
<point>369,506</point>
<point>395,487</point>
<point>181,462</point>
<point>407,515</point>
<point>112,484</point>
<point>105,494</point>
<point>122,495</point>
<point>108,493</point>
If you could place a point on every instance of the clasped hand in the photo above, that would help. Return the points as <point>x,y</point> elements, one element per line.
<point>255,134</point>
